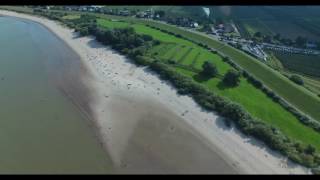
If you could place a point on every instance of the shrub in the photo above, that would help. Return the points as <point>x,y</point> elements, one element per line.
<point>147,37</point>
<point>310,150</point>
<point>143,60</point>
<point>156,42</point>
<point>297,79</point>
<point>231,78</point>
<point>209,69</point>
<point>178,35</point>
<point>171,62</point>
<point>214,51</point>
<point>316,170</point>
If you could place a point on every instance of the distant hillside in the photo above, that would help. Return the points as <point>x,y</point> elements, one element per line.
<point>289,21</point>
<point>195,12</point>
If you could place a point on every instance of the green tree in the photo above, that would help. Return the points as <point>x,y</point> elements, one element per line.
<point>297,79</point>
<point>267,38</point>
<point>209,69</point>
<point>301,41</point>
<point>231,78</point>
<point>258,34</point>
<point>310,150</point>
<point>277,37</point>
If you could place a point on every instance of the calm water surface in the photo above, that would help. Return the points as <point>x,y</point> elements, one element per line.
<point>41,131</point>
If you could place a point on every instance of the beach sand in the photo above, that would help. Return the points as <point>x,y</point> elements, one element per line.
<point>146,127</point>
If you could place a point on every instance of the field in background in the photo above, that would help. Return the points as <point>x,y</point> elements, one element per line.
<point>299,63</point>
<point>312,83</point>
<point>289,21</point>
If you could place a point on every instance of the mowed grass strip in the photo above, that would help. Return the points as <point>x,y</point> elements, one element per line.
<point>172,52</point>
<point>188,60</point>
<point>177,51</point>
<point>154,50</point>
<point>164,50</point>
<point>184,55</point>
<point>195,60</point>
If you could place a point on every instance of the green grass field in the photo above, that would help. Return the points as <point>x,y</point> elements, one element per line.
<point>255,101</point>
<point>312,84</point>
<point>271,27</point>
<point>70,17</point>
<point>289,22</point>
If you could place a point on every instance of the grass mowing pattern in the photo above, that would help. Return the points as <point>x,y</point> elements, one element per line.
<point>164,50</point>
<point>195,60</point>
<point>183,52</point>
<point>185,55</point>
<point>188,60</point>
<point>171,52</point>
<point>177,51</point>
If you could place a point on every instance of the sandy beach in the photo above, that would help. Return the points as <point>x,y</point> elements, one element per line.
<point>146,127</point>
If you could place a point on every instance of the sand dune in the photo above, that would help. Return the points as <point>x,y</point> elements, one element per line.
<point>146,127</point>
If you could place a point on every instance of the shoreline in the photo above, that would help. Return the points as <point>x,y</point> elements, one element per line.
<point>124,92</point>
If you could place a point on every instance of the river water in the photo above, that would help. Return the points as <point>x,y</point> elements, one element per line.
<point>41,130</point>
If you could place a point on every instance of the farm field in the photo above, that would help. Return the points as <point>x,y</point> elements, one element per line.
<point>254,100</point>
<point>286,29</point>
<point>312,83</point>
<point>255,25</point>
<point>308,65</point>
<point>289,22</point>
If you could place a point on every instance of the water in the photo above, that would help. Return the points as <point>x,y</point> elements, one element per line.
<point>41,131</point>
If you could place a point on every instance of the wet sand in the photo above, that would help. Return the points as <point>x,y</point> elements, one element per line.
<point>146,127</point>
